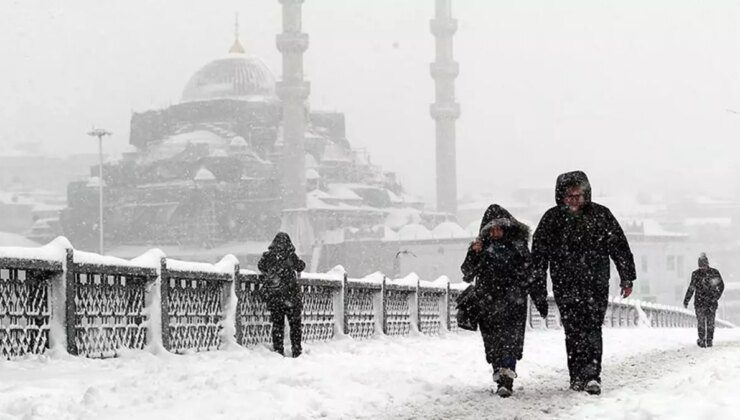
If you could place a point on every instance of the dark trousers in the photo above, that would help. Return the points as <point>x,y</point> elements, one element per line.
<point>277,318</point>
<point>583,340</point>
<point>705,323</point>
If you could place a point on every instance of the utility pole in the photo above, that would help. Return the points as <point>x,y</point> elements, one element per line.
<point>100,133</point>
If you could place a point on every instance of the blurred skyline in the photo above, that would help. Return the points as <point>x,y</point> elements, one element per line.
<point>636,93</point>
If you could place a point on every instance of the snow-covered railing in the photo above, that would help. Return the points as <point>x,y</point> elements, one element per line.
<point>55,297</point>
<point>193,298</point>
<point>25,285</point>
<point>107,311</point>
<point>627,313</point>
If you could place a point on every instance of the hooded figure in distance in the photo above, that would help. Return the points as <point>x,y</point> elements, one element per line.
<point>707,283</point>
<point>283,296</point>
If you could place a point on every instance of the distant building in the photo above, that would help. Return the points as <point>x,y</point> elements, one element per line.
<point>207,171</point>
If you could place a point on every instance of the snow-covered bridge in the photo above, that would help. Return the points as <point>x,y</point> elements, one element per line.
<point>377,348</point>
<point>648,373</point>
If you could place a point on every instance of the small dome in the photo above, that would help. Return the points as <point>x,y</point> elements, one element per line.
<point>204,174</point>
<point>238,141</point>
<point>449,230</point>
<point>237,76</point>
<point>414,231</point>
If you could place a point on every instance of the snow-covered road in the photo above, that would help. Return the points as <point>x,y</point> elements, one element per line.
<point>648,373</point>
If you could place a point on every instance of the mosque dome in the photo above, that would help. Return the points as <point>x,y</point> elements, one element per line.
<point>236,76</point>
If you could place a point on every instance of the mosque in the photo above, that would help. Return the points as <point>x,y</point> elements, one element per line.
<point>241,156</point>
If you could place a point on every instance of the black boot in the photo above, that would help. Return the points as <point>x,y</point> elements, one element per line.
<point>577,385</point>
<point>593,387</point>
<point>504,378</point>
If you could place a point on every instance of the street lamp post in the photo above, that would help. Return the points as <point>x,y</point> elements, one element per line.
<point>100,133</point>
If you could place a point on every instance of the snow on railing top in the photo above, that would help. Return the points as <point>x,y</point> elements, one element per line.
<point>54,251</point>
<point>375,278</point>
<point>225,266</point>
<point>90,258</point>
<point>459,285</point>
<point>411,280</point>
<point>335,274</point>
<point>151,258</point>
<point>440,283</point>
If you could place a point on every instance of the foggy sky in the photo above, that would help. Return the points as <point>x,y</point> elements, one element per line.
<point>634,92</point>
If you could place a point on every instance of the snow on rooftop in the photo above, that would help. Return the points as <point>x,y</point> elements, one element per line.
<point>414,231</point>
<point>342,192</point>
<point>447,230</point>
<point>397,218</point>
<point>652,227</point>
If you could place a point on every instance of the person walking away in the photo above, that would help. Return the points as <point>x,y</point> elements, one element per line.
<point>283,296</point>
<point>500,262</point>
<point>707,283</point>
<point>575,240</point>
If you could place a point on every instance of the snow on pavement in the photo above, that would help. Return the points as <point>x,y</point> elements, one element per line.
<point>648,373</point>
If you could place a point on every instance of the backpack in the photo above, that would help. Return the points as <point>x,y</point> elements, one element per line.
<point>272,286</point>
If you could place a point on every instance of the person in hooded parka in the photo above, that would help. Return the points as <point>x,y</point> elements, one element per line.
<point>575,240</point>
<point>500,263</point>
<point>707,283</point>
<point>280,266</point>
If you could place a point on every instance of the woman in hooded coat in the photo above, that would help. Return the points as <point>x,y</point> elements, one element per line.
<point>280,266</point>
<point>500,262</point>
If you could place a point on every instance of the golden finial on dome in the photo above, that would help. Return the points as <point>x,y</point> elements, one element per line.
<point>236,48</point>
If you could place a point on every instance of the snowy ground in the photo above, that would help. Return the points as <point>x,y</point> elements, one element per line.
<point>648,373</point>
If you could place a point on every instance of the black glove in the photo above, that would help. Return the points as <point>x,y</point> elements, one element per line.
<point>542,308</point>
<point>625,284</point>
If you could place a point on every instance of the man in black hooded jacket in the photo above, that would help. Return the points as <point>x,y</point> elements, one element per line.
<point>708,285</point>
<point>575,240</point>
<point>280,266</point>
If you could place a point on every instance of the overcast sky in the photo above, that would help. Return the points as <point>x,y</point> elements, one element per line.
<point>634,92</point>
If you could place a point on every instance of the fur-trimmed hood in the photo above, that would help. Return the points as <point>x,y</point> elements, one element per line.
<point>496,215</point>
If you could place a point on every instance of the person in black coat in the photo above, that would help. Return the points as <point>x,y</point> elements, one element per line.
<point>500,262</point>
<point>283,296</point>
<point>707,283</point>
<point>575,240</point>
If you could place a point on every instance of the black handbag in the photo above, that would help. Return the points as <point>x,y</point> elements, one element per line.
<point>467,309</point>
